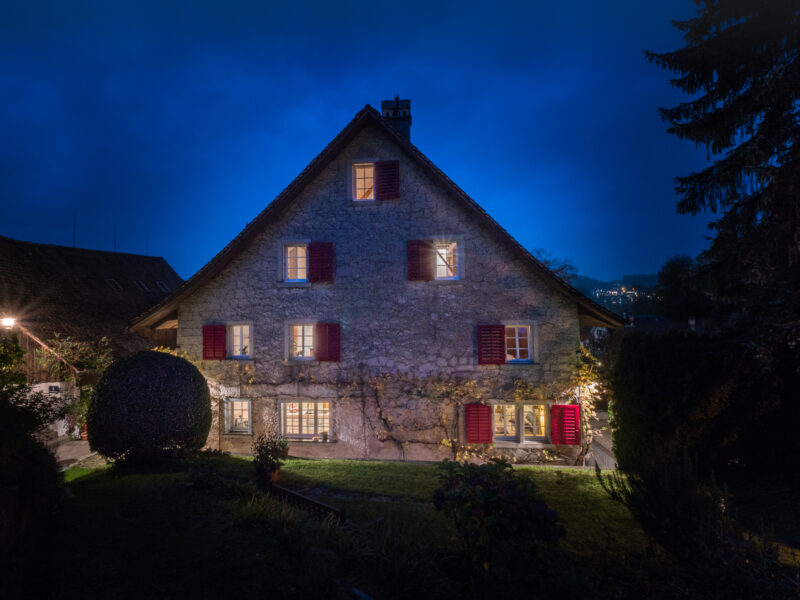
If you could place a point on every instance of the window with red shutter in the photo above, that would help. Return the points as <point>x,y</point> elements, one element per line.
<point>491,344</point>
<point>478,423</point>
<point>387,180</point>
<point>320,262</point>
<point>214,342</point>
<point>327,342</point>
<point>420,257</point>
<point>565,424</point>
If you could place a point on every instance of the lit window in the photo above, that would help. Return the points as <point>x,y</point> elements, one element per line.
<point>239,340</point>
<point>518,346</point>
<point>505,421</point>
<point>302,341</point>
<point>296,261</point>
<point>238,416</point>
<point>364,181</point>
<point>306,419</point>
<point>535,421</point>
<point>446,260</point>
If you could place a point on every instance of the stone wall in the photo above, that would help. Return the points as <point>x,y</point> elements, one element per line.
<point>410,331</point>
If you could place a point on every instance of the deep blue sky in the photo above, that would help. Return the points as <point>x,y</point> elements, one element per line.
<point>185,119</point>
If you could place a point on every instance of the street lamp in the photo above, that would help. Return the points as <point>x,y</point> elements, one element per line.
<point>7,322</point>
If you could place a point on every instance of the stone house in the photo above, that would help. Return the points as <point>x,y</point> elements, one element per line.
<point>373,309</point>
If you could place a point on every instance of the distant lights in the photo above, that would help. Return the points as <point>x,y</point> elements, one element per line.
<point>7,322</point>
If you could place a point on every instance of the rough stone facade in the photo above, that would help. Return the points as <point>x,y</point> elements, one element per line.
<point>408,349</point>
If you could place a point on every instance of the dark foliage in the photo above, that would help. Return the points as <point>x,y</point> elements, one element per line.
<point>506,532</point>
<point>148,404</point>
<point>680,290</point>
<point>269,453</point>
<point>31,485</point>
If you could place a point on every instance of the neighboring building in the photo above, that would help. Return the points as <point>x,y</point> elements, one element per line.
<point>85,294</point>
<point>371,305</point>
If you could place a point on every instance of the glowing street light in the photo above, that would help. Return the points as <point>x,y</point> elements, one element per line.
<point>7,322</point>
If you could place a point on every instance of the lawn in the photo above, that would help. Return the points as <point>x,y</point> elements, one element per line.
<point>202,530</point>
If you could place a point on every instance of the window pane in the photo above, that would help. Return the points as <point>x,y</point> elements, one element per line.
<point>511,420</point>
<point>302,338</point>
<point>363,182</point>
<point>307,416</point>
<point>296,262</point>
<point>499,420</point>
<point>291,418</point>
<point>239,415</point>
<point>534,420</point>
<point>323,417</point>
<point>446,261</point>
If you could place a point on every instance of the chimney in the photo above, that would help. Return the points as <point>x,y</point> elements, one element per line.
<point>398,113</point>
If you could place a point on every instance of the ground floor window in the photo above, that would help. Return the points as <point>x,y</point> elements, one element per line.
<point>306,419</point>
<point>237,416</point>
<point>534,418</point>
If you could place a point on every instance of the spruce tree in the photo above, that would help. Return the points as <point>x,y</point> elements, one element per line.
<point>741,69</point>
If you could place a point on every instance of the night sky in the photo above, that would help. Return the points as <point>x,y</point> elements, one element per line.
<point>182,120</point>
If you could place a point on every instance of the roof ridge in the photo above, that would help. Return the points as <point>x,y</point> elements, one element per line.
<point>78,249</point>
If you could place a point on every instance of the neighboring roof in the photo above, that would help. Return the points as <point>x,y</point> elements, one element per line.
<point>591,312</point>
<point>55,289</point>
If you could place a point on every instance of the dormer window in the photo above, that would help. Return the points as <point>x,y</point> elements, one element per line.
<point>114,284</point>
<point>162,286</point>
<point>141,285</point>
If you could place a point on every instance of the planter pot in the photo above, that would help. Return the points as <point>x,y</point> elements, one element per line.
<point>84,433</point>
<point>273,477</point>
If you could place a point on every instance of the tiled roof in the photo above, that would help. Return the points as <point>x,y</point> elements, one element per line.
<point>592,312</point>
<point>57,289</point>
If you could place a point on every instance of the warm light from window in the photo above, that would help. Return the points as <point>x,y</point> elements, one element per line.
<point>8,322</point>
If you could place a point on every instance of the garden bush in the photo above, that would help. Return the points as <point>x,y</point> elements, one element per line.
<point>148,403</point>
<point>269,453</point>
<point>506,532</point>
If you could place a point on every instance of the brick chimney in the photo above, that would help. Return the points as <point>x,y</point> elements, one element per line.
<point>398,113</point>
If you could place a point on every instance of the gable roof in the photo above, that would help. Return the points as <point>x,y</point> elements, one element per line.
<point>591,312</point>
<point>56,289</point>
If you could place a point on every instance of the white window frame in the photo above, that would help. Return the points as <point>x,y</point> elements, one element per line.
<point>301,435</point>
<point>284,261</point>
<point>351,179</point>
<point>458,240</point>
<point>533,342</point>
<point>505,438</point>
<point>520,438</point>
<point>229,417</point>
<point>288,336</point>
<point>229,336</point>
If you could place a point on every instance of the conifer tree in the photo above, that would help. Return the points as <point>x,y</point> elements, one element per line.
<point>741,69</point>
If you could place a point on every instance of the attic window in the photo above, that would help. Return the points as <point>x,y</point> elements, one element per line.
<point>141,285</point>
<point>162,286</point>
<point>114,284</point>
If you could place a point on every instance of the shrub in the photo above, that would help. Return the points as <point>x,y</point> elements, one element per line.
<point>149,403</point>
<point>269,453</point>
<point>499,518</point>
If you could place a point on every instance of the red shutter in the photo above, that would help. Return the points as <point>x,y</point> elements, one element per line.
<point>565,424</point>
<point>327,342</point>
<point>419,254</point>
<point>320,262</point>
<point>387,180</point>
<point>478,421</point>
<point>491,344</point>
<point>214,342</point>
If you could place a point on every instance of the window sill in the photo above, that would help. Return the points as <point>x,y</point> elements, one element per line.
<point>525,444</point>
<point>448,281</point>
<point>293,440</point>
<point>294,284</point>
<point>245,360</point>
<point>238,434</point>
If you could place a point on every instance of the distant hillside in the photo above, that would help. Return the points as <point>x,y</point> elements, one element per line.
<point>588,284</point>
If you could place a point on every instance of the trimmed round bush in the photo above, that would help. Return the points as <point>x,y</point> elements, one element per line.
<point>147,403</point>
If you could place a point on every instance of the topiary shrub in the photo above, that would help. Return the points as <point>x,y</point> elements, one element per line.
<point>148,403</point>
